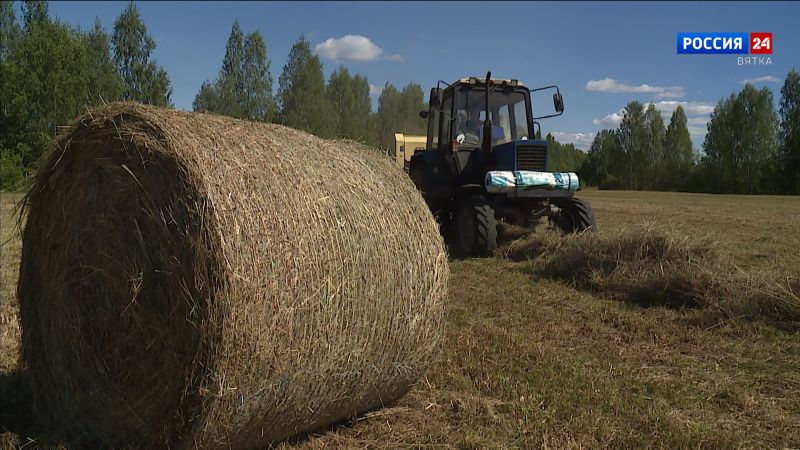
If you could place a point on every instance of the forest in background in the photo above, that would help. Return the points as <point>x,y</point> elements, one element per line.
<point>51,72</point>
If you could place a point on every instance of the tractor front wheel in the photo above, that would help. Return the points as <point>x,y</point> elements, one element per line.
<point>475,227</point>
<point>576,216</point>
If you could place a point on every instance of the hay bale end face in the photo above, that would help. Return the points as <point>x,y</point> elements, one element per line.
<point>190,280</point>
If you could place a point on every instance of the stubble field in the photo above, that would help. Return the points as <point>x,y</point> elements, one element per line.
<point>535,357</point>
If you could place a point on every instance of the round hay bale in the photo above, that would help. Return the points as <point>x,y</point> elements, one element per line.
<point>195,281</point>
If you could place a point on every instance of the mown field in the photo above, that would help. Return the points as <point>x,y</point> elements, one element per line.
<point>533,360</point>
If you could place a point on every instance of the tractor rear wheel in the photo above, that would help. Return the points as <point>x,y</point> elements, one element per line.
<point>475,227</point>
<point>576,216</point>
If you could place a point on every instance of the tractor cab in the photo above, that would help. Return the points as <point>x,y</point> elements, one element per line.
<point>456,119</point>
<point>485,160</point>
<point>457,113</point>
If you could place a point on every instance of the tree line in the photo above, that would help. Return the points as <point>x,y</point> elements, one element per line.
<point>51,72</point>
<point>337,108</point>
<point>749,147</point>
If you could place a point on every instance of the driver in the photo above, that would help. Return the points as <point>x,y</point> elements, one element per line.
<point>467,126</point>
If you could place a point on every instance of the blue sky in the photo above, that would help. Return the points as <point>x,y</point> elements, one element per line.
<point>601,55</point>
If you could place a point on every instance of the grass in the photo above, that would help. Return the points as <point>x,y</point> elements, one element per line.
<point>532,360</point>
<point>9,270</point>
<point>652,266</point>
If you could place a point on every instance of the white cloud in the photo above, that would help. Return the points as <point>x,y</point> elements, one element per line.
<point>698,126</point>
<point>764,79</point>
<point>375,90</point>
<point>698,132</point>
<point>690,108</point>
<point>581,140</point>
<point>352,47</point>
<point>617,87</point>
<point>611,120</point>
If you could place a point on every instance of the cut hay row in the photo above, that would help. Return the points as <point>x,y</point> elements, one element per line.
<point>652,266</point>
<point>195,281</point>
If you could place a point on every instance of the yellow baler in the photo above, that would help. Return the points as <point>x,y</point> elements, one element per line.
<point>404,147</point>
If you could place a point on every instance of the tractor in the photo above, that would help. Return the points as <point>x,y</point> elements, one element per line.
<point>483,163</point>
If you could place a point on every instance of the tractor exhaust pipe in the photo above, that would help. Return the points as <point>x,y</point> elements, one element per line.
<point>487,124</point>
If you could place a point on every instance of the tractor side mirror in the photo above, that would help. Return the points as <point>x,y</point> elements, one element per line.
<point>423,114</point>
<point>558,102</point>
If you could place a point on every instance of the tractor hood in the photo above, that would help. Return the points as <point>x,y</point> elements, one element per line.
<point>531,155</point>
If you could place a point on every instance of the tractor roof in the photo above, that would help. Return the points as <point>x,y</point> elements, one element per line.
<point>496,81</point>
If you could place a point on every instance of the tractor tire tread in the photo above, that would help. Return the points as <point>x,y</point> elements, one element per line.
<point>486,226</point>
<point>582,216</point>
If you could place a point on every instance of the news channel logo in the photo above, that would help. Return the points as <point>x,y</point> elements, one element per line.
<point>757,45</point>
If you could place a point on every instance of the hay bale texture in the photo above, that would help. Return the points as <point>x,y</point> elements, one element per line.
<point>196,281</point>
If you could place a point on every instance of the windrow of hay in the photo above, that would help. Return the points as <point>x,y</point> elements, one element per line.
<point>195,281</point>
<point>653,266</point>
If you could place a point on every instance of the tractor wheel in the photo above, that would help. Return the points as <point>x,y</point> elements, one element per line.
<point>475,227</point>
<point>576,216</point>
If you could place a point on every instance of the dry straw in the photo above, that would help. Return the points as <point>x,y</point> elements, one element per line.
<point>190,280</point>
<point>650,266</point>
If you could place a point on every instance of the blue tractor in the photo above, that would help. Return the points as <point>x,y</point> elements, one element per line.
<point>483,163</point>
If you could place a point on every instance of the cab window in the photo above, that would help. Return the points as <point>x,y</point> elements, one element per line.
<point>520,118</point>
<point>446,122</point>
<point>507,107</point>
<point>504,122</point>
